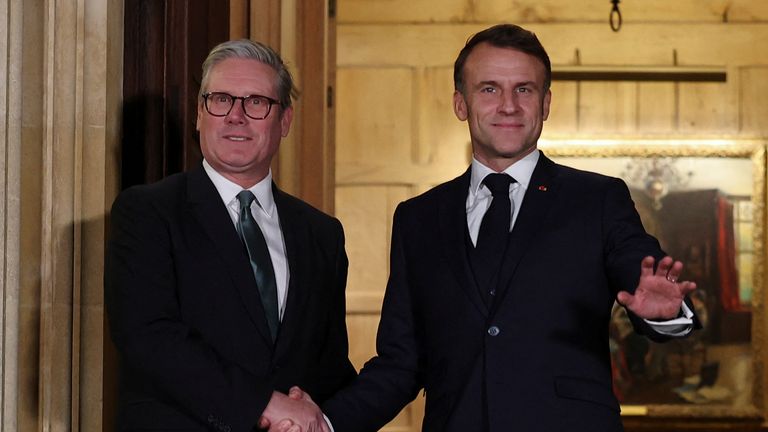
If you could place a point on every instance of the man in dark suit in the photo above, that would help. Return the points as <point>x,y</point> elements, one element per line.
<point>501,287</point>
<point>222,290</point>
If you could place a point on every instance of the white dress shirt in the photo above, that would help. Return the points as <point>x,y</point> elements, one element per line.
<point>264,211</point>
<point>479,199</point>
<point>479,196</point>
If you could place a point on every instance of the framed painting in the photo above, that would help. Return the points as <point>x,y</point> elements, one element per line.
<point>705,202</point>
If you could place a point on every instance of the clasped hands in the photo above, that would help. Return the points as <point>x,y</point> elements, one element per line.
<point>659,294</point>
<point>295,412</point>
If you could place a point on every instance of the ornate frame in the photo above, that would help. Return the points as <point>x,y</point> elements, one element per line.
<point>753,150</point>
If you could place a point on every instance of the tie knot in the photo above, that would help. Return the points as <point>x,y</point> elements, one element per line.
<point>245,198</point>
<point>498,183</point>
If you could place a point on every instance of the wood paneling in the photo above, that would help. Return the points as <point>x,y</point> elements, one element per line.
<point>364,211</point>
<point>563,110</point>
<point>656,108</point>
<point>525,11</point>
<point>641,44</point>
<point>314,158</point>
<point>264,21</point>
<point>753,105</point>
<point>377,108</point>
<point>708,108</point>
<point>607,107</point>
<point>442,138</point>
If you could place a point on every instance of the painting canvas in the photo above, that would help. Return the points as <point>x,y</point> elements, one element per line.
<point>705,203</point>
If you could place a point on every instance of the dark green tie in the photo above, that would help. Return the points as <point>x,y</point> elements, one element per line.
<point>261,263</point>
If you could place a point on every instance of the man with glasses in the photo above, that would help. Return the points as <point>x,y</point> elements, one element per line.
<point>222,290</point>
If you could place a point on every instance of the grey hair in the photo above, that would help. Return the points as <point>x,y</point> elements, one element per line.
<point>248,49</point>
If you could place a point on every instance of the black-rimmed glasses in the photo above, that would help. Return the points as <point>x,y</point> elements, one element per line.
<point>219,104</point>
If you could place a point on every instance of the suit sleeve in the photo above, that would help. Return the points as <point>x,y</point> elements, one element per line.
<point>333,370</point>
<point>626,244</point>
<point>390,380</point>
<point>169,357</point>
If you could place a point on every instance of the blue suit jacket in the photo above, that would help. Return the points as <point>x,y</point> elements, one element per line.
<point>186,317</point>
<point>537,359</point>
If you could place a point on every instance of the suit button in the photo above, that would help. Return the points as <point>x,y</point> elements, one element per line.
<point>493,292</point>
<point>493,331</point>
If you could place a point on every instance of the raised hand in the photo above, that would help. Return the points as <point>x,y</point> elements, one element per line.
<point>659,295</point>
<point>293,414</point>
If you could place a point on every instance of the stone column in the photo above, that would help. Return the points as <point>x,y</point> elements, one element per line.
<point>10,153</point>
<point>60,95</point>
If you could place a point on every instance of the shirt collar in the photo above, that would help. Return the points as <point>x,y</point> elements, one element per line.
<point>521,171</point>
<point>228,190</point>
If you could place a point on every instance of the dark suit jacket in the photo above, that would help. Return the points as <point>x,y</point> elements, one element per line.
<point>186,317</point>
<point>537,359</point>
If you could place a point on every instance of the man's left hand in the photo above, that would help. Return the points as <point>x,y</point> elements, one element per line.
<point>659,294</point>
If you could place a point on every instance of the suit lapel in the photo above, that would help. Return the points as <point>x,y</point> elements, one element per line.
<point>452,219</point>
<point>206,207</point>
<point>538,201</point>
<point>296,234</point>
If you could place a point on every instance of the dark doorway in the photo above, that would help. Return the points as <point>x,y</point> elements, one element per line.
<point>166,42</point>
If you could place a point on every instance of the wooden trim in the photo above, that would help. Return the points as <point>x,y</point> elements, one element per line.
<point>265,21</point>
<point>316,58</point>
<point>238,19</point>
<point>639,73</point>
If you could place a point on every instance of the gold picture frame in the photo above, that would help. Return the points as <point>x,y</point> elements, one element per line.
<point>674,179</point>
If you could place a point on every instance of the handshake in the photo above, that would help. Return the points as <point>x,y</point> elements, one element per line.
<point>295,412</point>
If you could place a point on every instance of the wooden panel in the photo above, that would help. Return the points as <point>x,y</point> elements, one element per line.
<point>753,97</point>
<point>527,11</point>
<point>362,338</point>
<point>363,45</point>
<point>637,44</point>
<point>264,24</point>
<point>402,11</point>
<point>371,172</point>
<point>238,19</point>
<point>442,137</point>
<point>366,213</point>
<point>376,106</point>
<point>607,107</point>
<point>314,130</point>
<point>656,108</point>
<point>707,108</point>
<point>363,210</point>
<point>563,111</point>
<point>748,11</point>
<point>143,118</point>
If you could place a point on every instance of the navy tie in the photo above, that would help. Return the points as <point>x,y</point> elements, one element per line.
<point>494,232</point>
<point>261,263</point>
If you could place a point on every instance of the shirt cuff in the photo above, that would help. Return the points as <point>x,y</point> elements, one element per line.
<point>328,422</point>
<point>675,327</point>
